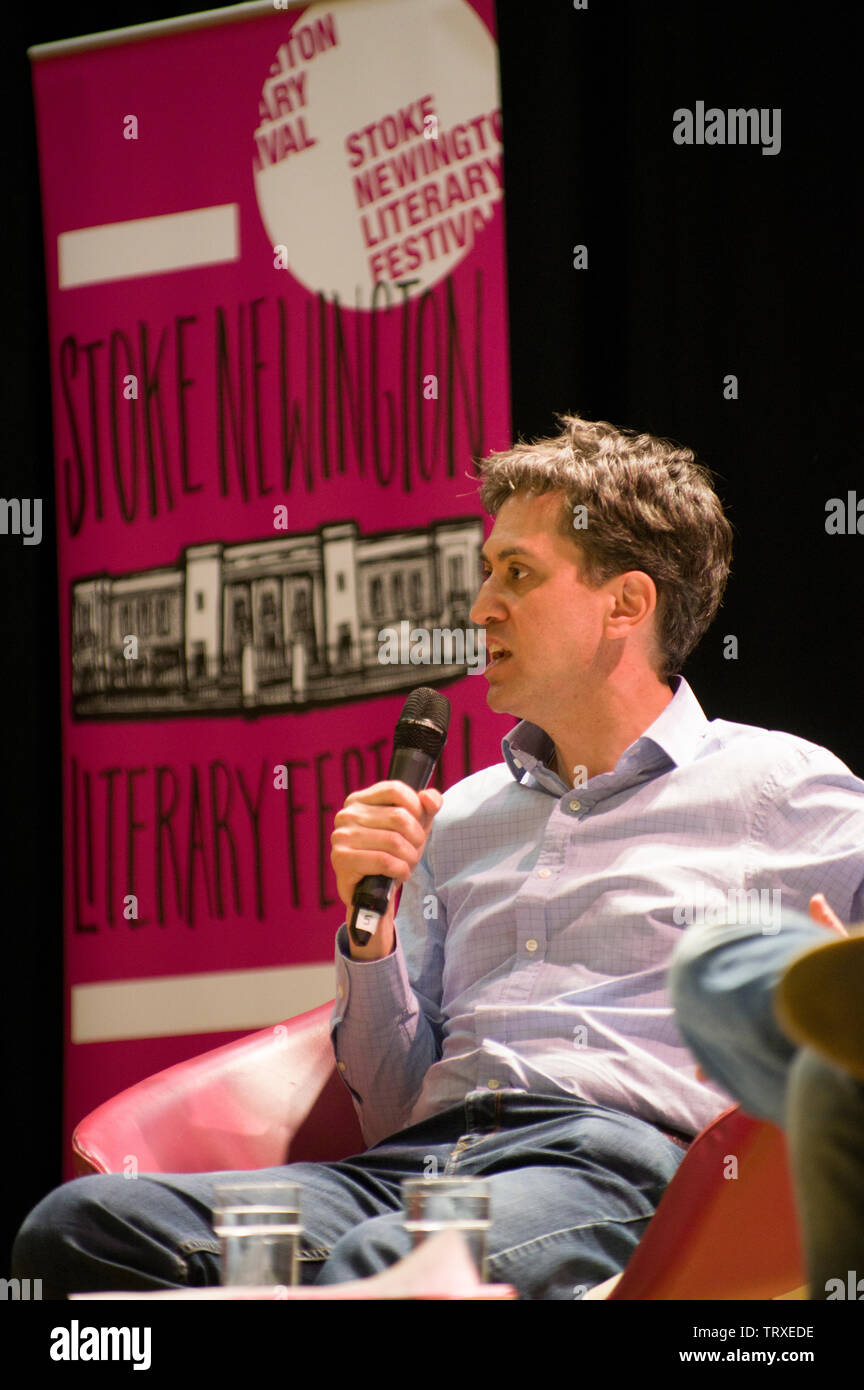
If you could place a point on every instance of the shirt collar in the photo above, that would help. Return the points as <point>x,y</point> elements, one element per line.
<point>676,732</point>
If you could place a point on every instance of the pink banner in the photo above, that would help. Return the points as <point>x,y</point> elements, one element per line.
<point>278,332</point>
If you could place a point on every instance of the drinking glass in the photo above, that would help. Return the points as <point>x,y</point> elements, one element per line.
<point>258,1224</point>
<point>440,1204</point>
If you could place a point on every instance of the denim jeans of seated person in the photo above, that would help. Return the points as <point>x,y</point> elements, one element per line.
<point>722,983</point>
<point>573,1187</point>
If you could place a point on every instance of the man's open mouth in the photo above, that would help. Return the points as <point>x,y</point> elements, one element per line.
<point>495,655</point>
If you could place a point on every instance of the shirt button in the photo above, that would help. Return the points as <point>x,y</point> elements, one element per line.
<point>531,945</point>
<point>340,991</point>
<point>544,873</point>
<point>343,1066</point>
<point>493,1084</point>
<point>575,805</point>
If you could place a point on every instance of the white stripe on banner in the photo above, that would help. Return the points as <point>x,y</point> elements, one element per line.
<point>219,1002</point>
<point>148,246</point>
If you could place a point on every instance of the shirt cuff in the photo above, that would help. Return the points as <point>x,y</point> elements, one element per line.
<point>376,990</point>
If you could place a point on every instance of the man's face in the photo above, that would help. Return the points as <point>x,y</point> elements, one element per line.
<point>545,645</point>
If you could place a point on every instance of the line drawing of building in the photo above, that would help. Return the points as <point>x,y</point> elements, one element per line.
<point>289,622</point>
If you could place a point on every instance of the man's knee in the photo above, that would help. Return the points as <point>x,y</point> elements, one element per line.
<point>61,1222</point>
<point>367,1249</point>
<point>87,1226</point>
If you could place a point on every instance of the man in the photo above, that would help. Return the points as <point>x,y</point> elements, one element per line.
<point>522,1030</point>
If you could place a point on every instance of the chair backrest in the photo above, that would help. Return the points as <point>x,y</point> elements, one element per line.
<point>248,1104</point>
<point>726,1226</point>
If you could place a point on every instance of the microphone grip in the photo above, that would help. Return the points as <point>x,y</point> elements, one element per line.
<point>411,765</point>
<point>373,893</point>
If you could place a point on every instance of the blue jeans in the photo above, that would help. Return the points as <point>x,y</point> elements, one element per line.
<point>722,982</point>
<point>572,1185</point>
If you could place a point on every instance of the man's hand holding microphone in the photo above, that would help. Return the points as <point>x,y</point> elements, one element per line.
<point>381,831</point>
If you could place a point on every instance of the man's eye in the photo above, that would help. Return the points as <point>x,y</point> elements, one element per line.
<point>515,572</point>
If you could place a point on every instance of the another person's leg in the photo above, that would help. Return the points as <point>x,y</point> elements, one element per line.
<point>722,981</point>
<point>825,1130</point>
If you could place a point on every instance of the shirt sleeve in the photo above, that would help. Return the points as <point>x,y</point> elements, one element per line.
<point>386,1024</point>
<point>809,835</point>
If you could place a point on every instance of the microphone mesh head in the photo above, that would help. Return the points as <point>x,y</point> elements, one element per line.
<point>424,707</point>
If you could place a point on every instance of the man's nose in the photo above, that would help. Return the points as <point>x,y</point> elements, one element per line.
<point>487,606</point>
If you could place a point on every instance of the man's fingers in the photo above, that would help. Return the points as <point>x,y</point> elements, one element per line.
<point>388,794</point>
<point>392,806</point>
<point>358,840</point>
<point>381,830</point>
<point>430,800</point>
<point>398,820</point>
<point>352,865</point>
<point>822,913</point>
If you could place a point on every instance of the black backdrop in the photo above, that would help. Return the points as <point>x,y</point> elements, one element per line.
<point>703,261</point>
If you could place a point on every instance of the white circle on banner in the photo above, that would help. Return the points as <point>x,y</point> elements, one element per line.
<point>378,150</point>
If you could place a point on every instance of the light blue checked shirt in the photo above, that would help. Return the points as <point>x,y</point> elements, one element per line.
<point>533,937</point>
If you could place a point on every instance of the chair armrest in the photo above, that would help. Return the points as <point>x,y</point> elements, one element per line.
<point>251,1103</point>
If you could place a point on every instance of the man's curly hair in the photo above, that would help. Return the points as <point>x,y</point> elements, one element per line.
<point>649,505</point>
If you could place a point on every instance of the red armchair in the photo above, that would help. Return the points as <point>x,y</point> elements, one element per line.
<point>253,1103</point>
<point>725,1228</point>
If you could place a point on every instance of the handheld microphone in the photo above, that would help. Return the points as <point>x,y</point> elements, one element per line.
<point>418,740</point>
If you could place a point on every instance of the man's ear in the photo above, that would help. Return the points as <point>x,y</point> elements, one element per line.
<point>635,595</point>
